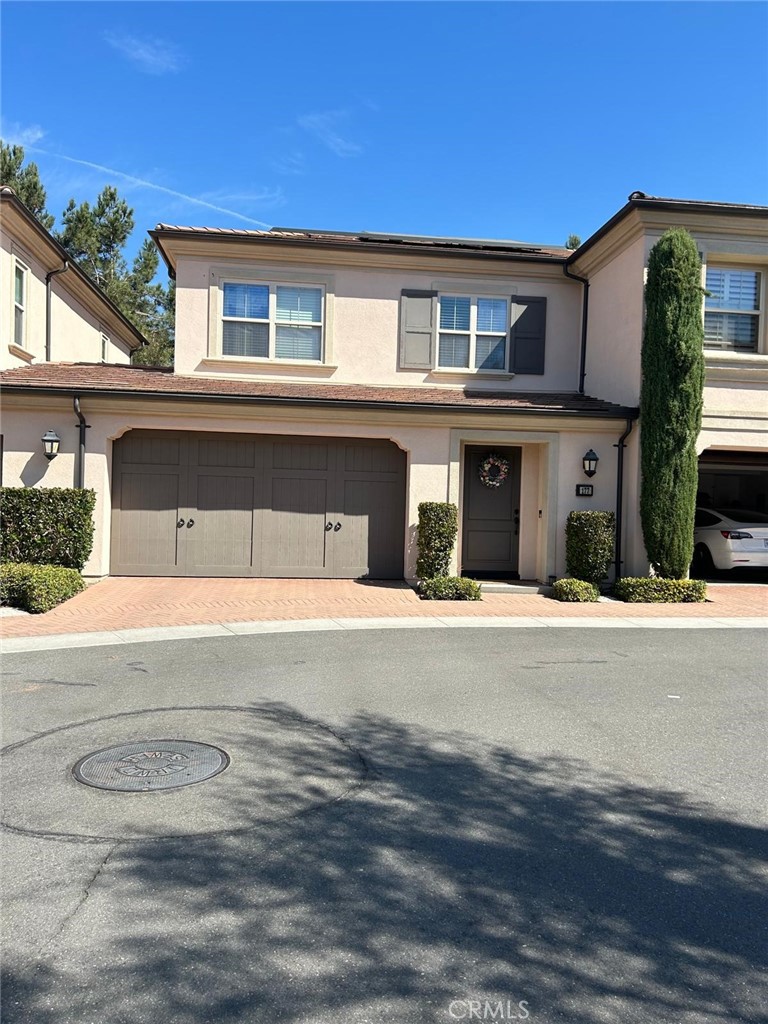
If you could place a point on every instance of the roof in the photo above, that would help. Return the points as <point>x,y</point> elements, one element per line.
<point>59,254</point>
<point>140,382</point>
<point>365,241</point>
<point>642,201</point>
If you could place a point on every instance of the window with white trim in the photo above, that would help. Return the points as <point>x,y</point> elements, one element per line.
<point>732,309</point>
<point>472,332</point>
<point>272,321</point>
<point>19,303</point>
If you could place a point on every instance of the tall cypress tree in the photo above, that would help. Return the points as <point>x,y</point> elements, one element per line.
<point>670,402</point>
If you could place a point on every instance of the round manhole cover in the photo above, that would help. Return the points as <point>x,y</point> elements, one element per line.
<point>149,765</point>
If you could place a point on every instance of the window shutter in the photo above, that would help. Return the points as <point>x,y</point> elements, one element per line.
<point>527,335</point>
<point>417,329</point>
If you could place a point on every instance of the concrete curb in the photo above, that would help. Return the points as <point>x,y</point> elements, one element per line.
<point>62,641</point>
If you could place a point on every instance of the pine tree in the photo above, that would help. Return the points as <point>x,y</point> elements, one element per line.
<point>671,401</point>
<point>96,237</point>
<point>572,242</point>
<point>25,182</point>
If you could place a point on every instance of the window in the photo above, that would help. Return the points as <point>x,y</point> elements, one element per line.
<point>473,332</point>
<point>19,303</point>
<point>104,347</point>
<point>732,309</point>
<point>272,321</point>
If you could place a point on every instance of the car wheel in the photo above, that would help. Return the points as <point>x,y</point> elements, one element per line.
<point>702,565</point>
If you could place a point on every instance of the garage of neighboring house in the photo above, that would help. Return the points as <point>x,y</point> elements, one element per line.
<point>733,479</point>
<point>210,504</point>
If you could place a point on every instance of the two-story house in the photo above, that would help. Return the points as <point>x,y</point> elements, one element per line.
<point>52,311</point>
<point>326,383</point>
<point>733,243</point>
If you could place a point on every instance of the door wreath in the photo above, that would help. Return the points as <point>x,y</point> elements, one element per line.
<point>493,470</point>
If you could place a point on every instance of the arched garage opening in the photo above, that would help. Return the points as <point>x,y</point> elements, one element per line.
<point>216,504</point>
<point>733,479</point>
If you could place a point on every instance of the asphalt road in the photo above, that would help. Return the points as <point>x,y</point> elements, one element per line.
<point>416,826</point>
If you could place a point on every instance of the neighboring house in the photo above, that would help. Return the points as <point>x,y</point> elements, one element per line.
<point>733,244</point>
<point>326,383</point>
<point>52,311</point>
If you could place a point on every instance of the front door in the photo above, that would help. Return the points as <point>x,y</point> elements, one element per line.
<point>491,517</point>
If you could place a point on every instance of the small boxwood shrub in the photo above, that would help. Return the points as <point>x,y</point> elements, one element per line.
<point>657,590</point>
<point>38,588</point>
<point>450,588</point>
<point>438,526</point>
<point>46,525</point>
<point>589,542</point>
<point>575,590</point>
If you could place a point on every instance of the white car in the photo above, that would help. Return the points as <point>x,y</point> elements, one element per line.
<point>729,538</point>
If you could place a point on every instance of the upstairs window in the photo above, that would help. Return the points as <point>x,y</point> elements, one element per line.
<point>732,309</point>
<point>272,321</point>
<point>19,303</point>
<point>473,332</point>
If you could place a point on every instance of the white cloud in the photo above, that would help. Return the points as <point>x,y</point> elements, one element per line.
<point>153,56</point>
<point>262,198</point>
<point>19,135</point>
<point>143,183</point>
<point>324,127</point>
<point>290,163</point>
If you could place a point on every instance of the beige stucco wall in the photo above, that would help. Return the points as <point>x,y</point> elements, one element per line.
<point>615,329</point>
<point>362,323</point>
<point>75,330</point>
<point>551,467</point>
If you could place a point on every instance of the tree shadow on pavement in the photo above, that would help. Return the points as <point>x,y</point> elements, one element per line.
<point>458,872</point>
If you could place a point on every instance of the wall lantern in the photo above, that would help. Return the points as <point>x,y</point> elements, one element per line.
<point>51,442</point>
<point>589,462</point>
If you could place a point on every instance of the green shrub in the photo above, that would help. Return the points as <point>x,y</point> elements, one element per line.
<point>575,590</point>
<point>450,588</point>
<point>38,588</point>
<point>657,590</point>
<point>46,525</point>
<point>589,544</point>
<point>438,526</point>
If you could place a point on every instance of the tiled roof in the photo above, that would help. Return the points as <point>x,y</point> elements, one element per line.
<point>98,378</point>
<point>499,247</point>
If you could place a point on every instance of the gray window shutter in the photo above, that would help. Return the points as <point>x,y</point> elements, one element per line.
<point>527,335</point>
<point>417,329</point>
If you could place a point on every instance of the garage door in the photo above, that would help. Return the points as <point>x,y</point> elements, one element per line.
<point>244,505</point>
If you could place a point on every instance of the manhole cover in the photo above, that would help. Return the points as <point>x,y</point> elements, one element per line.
<point>148,765</point>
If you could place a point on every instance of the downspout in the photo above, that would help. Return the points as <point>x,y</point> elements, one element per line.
<point>584,319</point>
<point>83,426</point>
<point>48,277</point>
<point>619,499</point>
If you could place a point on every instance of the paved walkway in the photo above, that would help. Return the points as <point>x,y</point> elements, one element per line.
<point>120,605</point>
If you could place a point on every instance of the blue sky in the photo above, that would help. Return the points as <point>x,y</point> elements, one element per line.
<point>501,120</point>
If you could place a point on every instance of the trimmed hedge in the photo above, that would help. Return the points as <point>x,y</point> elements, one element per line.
<point>38,588</point>
<point>450,588</point>
<point>654,589</point>
<point>438,526</point>
<point>575,590</point>
<point>46,525</point>
<point>589,544</point>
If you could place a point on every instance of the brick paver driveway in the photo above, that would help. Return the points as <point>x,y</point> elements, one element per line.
<point>138,602</point>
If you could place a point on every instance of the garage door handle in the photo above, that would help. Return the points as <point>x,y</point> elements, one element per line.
<point>190,523</point>
<point>337,527</point>
<point>179,524</point>
<point>328,526</point>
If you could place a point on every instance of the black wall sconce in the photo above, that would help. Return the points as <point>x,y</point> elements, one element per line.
<point>589,462</point>
<point>51,442</point>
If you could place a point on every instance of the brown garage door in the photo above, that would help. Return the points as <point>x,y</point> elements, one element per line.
<point>245,505</point>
